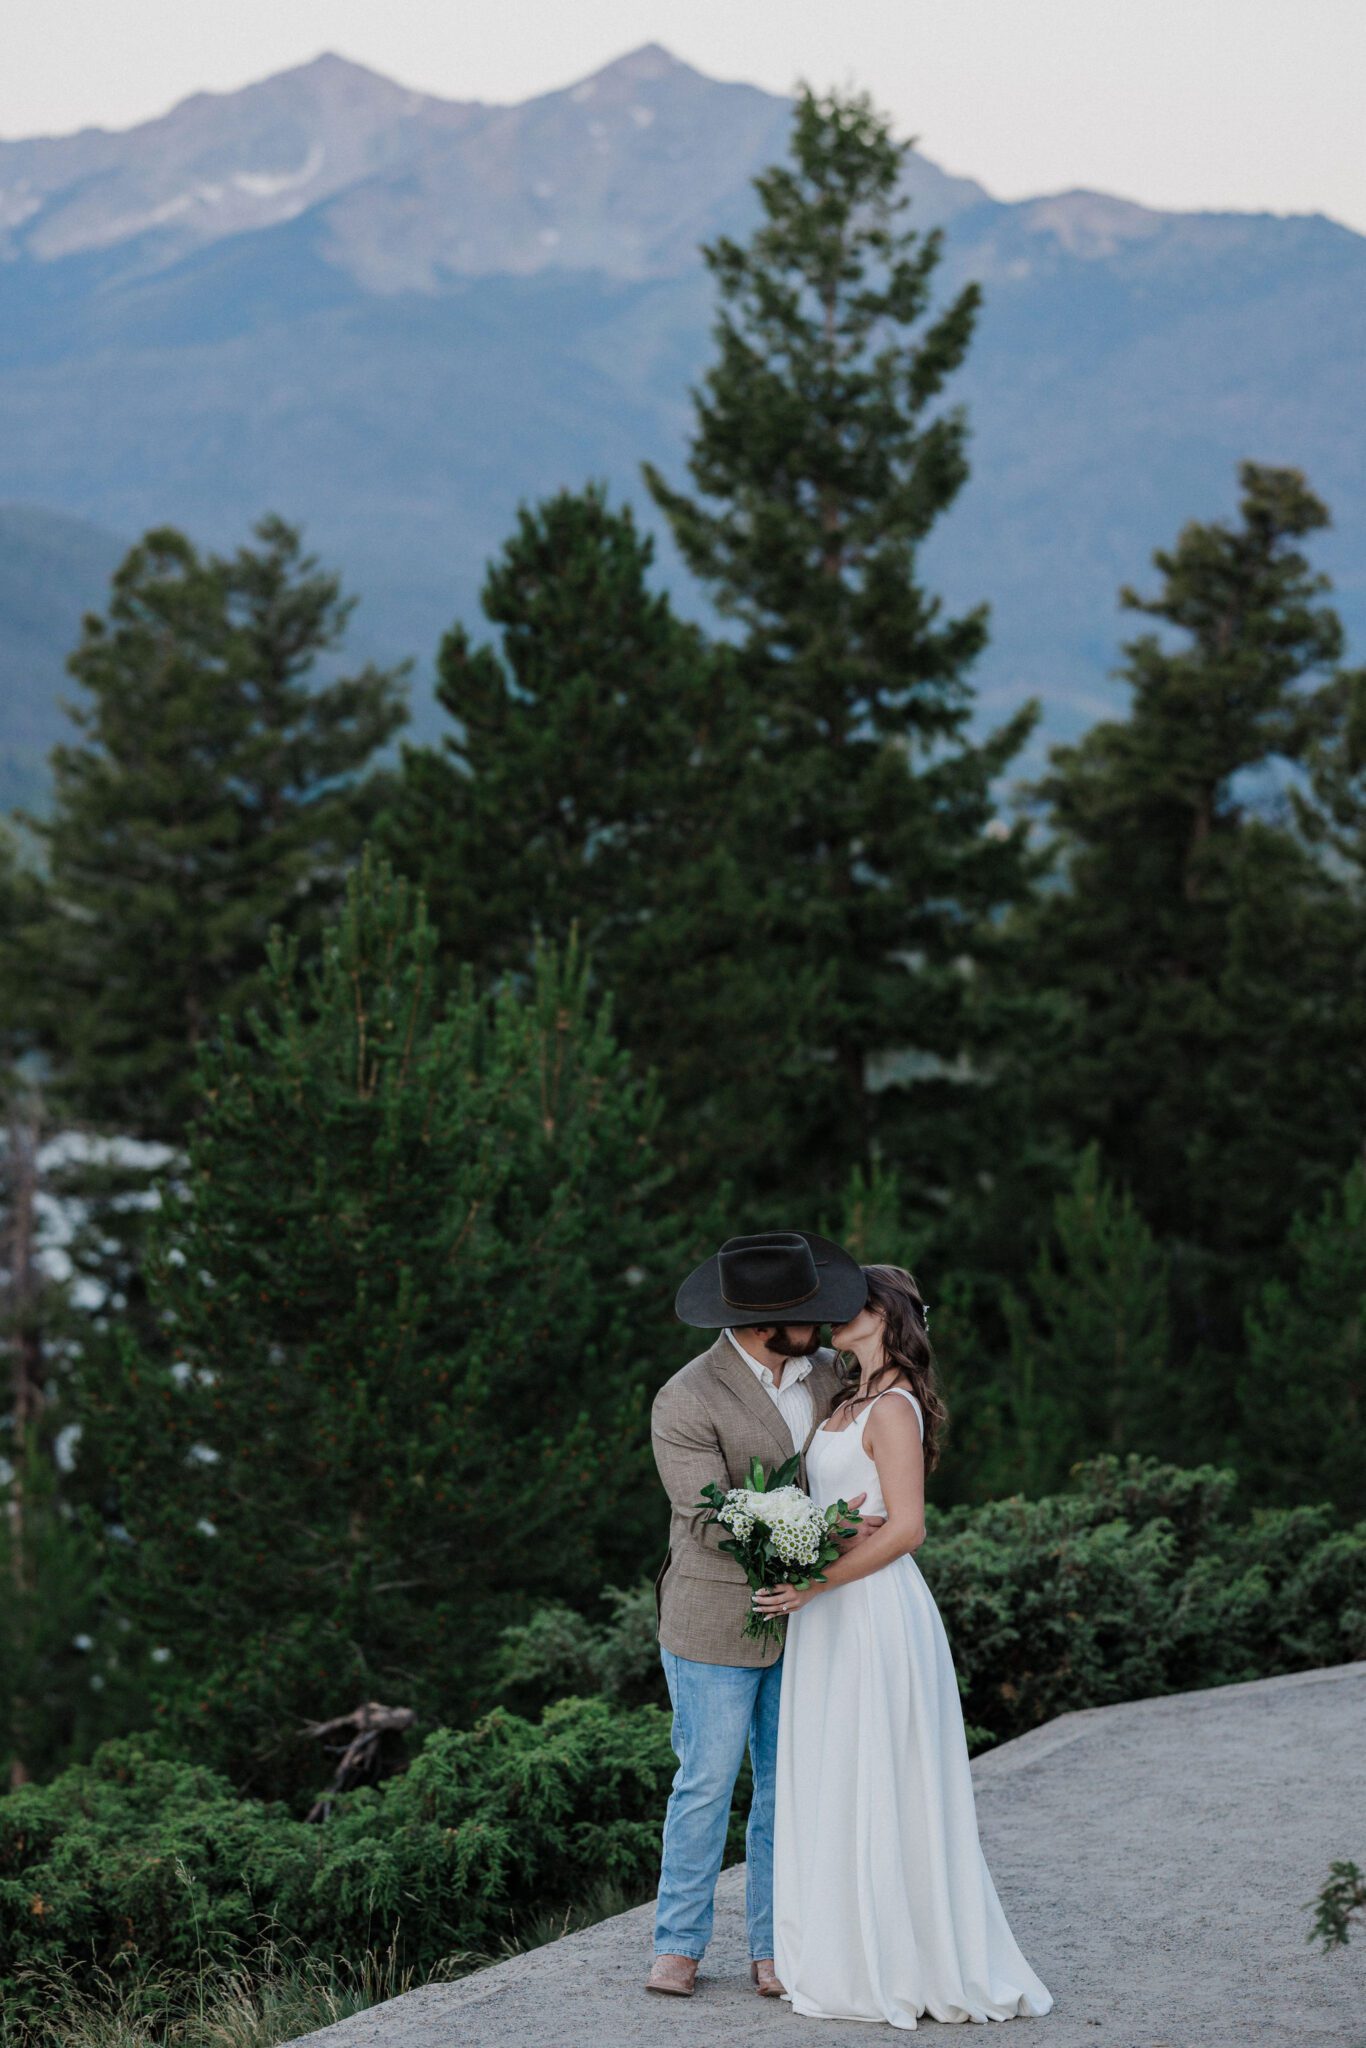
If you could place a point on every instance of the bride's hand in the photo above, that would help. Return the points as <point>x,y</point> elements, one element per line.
<point>784,1599</point>
<point>867,1525</point>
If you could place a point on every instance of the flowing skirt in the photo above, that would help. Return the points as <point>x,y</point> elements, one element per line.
<point>884,1908</point>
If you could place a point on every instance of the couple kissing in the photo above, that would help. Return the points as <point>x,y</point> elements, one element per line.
<point>867,1893</point>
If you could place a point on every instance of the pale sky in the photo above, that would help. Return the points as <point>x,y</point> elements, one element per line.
<point>1248,104</point>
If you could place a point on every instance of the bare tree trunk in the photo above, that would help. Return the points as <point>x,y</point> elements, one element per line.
<point>25,1334</point>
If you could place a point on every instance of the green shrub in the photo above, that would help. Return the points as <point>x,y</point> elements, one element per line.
<point>162,1863</point>
<point>1143,1580</point>
<point>561,1651</point>
<point>1341,1896</point>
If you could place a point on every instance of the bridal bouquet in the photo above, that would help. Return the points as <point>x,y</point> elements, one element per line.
<point>777,1533</point>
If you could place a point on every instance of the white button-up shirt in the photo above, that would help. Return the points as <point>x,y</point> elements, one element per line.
<point>792,1399</point>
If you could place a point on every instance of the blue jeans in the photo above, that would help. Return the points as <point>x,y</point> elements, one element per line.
<point>718,1709</point>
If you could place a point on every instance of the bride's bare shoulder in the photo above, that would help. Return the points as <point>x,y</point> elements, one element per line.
<point>893,1423</point>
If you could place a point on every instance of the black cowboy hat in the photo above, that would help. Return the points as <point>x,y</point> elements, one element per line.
<point>780,1276</point>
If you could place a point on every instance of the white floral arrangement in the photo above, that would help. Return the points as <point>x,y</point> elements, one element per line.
<point>796,1526</point>
<point>777,1533</point>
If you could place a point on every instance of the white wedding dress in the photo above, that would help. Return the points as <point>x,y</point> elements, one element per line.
<point>884,1908</point>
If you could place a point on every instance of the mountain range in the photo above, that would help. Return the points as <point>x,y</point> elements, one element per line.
<point>391,317</point>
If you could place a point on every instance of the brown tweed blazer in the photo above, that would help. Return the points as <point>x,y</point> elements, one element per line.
<point>707,1422</point>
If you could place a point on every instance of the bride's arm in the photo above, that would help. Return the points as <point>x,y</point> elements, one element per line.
<point>896,1451</point>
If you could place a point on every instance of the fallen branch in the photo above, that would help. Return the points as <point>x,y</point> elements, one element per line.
<point>359,1757</point>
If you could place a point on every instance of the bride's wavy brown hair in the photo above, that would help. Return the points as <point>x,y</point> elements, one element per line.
<point>907,1353</point>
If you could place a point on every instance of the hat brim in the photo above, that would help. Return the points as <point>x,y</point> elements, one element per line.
<point>842,1291</point>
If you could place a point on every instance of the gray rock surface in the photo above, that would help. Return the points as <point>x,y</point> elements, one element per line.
<point>1156,1862</point>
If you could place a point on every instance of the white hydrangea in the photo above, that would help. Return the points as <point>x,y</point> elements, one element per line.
<point>782,1500</point>
<point>795,1524</point>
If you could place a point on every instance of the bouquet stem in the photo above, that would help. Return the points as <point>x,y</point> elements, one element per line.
<point>763,1628</point>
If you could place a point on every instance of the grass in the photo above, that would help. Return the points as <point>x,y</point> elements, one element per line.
<point>274,1995</point>
<point>265,1999</point>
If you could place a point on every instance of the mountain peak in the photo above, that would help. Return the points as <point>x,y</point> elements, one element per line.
<point>651,60</point>
<point>651,64</point>
<point>332,61</point>
<point>331,77</point>
<point>583,177</point>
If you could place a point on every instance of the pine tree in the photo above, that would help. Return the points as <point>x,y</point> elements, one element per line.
<point>47,1706</point>
<point>24,1396</point>
<point>1331,812</point>
<point>1089,1366</point>
<point>414,1305</point>
<point>1203,952</point>
<point>22,906</point>
<point>1302,1394</point>
<point>213,793</point>
<point>821,467</point>
<point>560,798</point>
<point>594,784</point>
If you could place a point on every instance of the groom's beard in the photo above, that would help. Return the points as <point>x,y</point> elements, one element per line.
<point>787,1346</point>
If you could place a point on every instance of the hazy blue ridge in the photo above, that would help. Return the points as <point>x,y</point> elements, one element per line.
<point>392,317</point>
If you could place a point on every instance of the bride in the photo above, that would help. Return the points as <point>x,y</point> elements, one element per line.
<point>884,1908</point>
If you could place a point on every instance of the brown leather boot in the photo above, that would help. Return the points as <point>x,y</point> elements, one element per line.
<point>764,1978</point>
<point>676,1976</point>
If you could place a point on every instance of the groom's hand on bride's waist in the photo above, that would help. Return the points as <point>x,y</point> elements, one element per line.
<point>866,1527</point>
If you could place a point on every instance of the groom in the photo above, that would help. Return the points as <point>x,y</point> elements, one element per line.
<point>759,1392</point>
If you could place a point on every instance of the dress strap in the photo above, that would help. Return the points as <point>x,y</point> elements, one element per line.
<point>919,1411</point>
